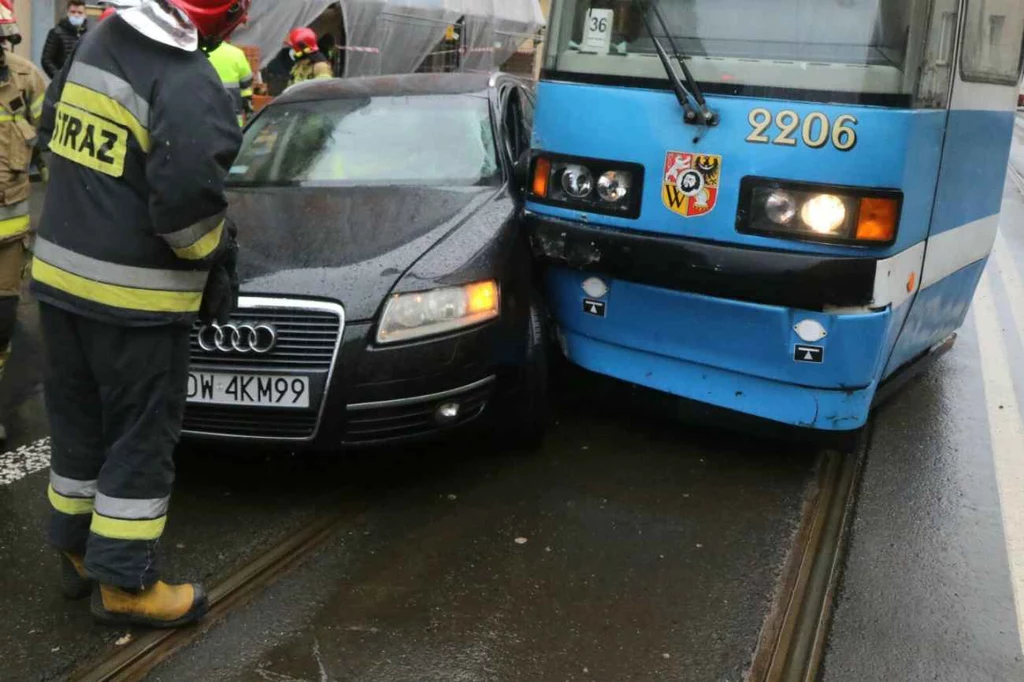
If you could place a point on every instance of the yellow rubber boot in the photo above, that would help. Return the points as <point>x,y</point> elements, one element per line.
<point>74,583</point>
<point>158,606</point>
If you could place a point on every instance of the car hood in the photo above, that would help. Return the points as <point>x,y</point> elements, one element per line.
<point>347,244</point>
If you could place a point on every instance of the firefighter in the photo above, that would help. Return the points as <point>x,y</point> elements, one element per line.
<point>310,63</point>
<point>132,246</point>
<point>22,89</point>
<point>233,68</point>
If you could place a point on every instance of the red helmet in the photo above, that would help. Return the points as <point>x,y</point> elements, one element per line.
<point>108,12</point>
<point>214,18</point>
<point>303,40</point>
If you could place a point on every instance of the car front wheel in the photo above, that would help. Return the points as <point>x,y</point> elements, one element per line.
<point>526,419</point>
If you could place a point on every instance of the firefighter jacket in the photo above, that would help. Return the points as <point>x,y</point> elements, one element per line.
<point>310,67</point>
<point>235,73</point>
<point>141,137</point>
<point>21,104</point>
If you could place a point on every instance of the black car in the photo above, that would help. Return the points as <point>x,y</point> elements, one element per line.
<point>387,290</point>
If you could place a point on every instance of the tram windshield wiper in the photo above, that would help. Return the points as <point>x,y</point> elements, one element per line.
<point>699,115</point>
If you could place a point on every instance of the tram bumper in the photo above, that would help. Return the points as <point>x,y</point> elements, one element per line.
<point>719,324</point>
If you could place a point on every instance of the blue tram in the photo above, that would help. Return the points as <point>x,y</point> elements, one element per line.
<point>770,206</point>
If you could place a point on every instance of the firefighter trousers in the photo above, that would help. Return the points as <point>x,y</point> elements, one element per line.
<point>12,264</point>
<point>115,397</point>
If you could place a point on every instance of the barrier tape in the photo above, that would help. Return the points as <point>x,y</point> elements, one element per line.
<point>349,48</point>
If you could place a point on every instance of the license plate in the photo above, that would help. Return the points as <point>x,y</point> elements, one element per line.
<point>256,390</point>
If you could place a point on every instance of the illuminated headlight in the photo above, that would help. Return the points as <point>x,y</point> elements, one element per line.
<point>824,213</point>
<point>427,313</point>
<point>797,210</point>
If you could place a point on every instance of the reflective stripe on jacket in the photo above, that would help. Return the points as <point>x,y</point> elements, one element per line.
<point>235,73</point>
<point>21,105</point>
<point>311,67</point>
<point>142,138</point>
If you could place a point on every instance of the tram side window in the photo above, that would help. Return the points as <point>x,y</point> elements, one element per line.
<point>992,41</point>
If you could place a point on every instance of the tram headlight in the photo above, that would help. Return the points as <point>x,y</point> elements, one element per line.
<point>780,207</point>
<point>824,213</point>
<point>577,181</point>
<point>589,185</point>
<point>613,186</point>
<point>811,212</point>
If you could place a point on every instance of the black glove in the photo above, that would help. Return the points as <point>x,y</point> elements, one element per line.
<point>220,298</point>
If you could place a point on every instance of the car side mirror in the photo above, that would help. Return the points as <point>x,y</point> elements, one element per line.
<point>521,172</point>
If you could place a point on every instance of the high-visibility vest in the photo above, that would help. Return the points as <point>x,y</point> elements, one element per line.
<point>235,73</point>
<point>142,138</point>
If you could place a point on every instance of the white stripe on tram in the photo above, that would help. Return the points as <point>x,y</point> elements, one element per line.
<point>951,251</point>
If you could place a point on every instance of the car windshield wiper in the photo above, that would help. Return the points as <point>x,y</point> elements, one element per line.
<point>705,116</point>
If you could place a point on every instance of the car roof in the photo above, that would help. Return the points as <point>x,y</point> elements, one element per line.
<point>389,86</point>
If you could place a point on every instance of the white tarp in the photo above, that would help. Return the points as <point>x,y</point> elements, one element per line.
<point>395,36</point>
<point>392,36</point>
<point>495,29</point>
<point>271,20</point>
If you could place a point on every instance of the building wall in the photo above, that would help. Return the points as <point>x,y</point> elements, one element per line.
<point>23,12</point>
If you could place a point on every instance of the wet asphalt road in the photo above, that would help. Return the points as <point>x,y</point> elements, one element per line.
<point>632,547</point>
<point>928,588</point>
<point>621,573</point>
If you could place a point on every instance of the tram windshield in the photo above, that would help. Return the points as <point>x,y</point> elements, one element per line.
<point>899,50</point>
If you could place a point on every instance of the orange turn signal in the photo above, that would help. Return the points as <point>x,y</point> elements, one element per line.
<point>482,297</point>
<point>541,174</point>
<point>877,220</point>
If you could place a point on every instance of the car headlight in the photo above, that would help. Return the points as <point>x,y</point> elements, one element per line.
<point>569,182</point>
<point>797,210</point>
<point>427,313</point>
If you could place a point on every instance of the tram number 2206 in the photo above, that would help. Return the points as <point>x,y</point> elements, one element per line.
<point>816,130</point>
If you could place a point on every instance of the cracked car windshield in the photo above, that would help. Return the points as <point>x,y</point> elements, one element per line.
<point>882,47</point>
<point>371,141</point>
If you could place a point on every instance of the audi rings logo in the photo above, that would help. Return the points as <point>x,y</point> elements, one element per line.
<point>238,338</point>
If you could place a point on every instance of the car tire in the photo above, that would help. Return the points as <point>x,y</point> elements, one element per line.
<point>529,411</point>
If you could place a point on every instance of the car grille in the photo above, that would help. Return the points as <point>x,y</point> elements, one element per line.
<point>250,422</point>
<point>308,335</point>
<point>306,339</point>
<point>384,422</point>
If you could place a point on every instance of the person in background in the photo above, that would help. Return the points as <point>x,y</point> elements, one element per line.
<point>310,62</point>
<point>62,38</point>
<point>235,72</point>
<point>22,92</point>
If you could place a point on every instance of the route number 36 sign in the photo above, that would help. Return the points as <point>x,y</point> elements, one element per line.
<point>597,34</point>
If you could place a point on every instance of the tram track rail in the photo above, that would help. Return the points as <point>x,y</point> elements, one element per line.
<point>136,659</point>
<point>794,637</point>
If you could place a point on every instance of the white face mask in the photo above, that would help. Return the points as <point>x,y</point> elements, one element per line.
<point>76,20</point>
